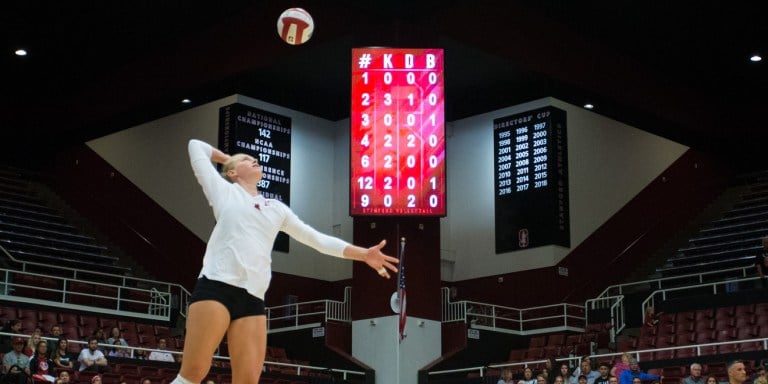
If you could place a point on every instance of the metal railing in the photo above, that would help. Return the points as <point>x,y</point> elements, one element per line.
<point>113,294</point>
<point>142,298</point>
<point>526,321</point>
<point>620,289</point>
<point>309,314</point>
<point>715,287</point>
<point>615,306</point>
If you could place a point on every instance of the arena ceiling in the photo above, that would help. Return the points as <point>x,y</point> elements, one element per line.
<point>679,69</point>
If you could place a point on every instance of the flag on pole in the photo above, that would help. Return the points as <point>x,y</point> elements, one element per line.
<point>401,289</point>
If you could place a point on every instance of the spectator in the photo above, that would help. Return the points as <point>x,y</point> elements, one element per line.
<point>118,351</point>
<point>760,380</point>
<point>146,381</point>
<point>541,379</point>
<point>115,335</point>
<point>551,367</point>
<point>96,379</point>
<point>92,358</point>
<point>162,353</point>
<point>528,376</point>
<point>100,335</point>
<point>651,317</point>
<point>577,371</point>
<point>621,365</point>
<point>63,378</point>
<point>759,371</point>
<point>41,366</point>
<point>695,377</point>
<point>634,372</point>
<point>586,370</point>
<point>53,345</point>
<point>604,370</point>
<point>558,379</point>
<point>613,380</point>
<point>31,347</point>
<point>506,377</point>
<point>565,372</point>
<point>140,354</point>
<point>582,379</point>
<point>13,326</point>
<point>16,363</point>
<point>61,356</point>
<point>210,381</point>
<point>737,373</point>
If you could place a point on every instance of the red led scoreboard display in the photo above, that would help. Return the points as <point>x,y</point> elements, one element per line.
<point>397,160</point>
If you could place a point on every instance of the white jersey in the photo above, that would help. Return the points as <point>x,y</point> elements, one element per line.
<point>239,250</point>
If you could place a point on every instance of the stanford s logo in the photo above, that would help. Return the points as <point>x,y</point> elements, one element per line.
<point>522,238</point>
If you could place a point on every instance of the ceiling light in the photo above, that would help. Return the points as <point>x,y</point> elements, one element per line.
<point>186,101</point>
<point>589,106</point>
<point>755,58</point>
<point>21,52</point>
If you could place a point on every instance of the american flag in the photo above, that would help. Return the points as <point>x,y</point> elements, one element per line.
<point>401,289</point>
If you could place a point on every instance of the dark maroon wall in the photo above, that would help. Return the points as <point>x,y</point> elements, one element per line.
<point>153,238</point>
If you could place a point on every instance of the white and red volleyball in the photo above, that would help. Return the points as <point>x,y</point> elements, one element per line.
<point>295,26</point>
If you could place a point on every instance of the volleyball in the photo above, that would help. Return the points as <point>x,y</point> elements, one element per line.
<point>295,26</point>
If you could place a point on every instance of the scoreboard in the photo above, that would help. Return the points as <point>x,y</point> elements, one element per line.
<point>397,141</point>
<point>531,180</point>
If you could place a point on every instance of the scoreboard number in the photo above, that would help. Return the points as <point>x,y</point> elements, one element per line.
<point>397,145</point>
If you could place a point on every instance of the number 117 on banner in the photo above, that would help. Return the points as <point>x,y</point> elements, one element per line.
<point>397,148</point>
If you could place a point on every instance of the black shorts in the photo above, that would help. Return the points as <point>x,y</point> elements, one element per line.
<point>237,300</point>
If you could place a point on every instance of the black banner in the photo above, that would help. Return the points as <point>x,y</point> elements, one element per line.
<point>267,137</point>
<point>531,180</point>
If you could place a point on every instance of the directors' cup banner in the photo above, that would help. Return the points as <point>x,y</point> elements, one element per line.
<point>267,137</point>
<point>531,180</point>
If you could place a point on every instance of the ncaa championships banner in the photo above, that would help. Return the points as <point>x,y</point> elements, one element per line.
<point>267,137</point>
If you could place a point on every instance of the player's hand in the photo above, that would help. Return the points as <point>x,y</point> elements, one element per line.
<point>380,262</point>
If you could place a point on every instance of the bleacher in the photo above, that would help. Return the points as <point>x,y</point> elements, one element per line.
<point>33,231</point>
<point>732,240</point>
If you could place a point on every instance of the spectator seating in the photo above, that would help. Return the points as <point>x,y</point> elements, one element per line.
<point>33,231</point>
<point>559,345</point>
<point>730,241</point>
<point>78,326</point>
<point>710,325</point>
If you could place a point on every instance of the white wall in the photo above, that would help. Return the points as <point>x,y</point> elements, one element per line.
<point>608,163</point>
<point>378,346</point>
<point>154,157</point>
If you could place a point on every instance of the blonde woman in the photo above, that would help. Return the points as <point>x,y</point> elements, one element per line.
<point>228,298</point>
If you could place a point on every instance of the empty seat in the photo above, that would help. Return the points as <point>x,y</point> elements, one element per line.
<point>162,331</point>
<point>80,293</point>
<point>727,348</point>
<point>556,339</point>
<point>68,319</point>
<point>538,341</point>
